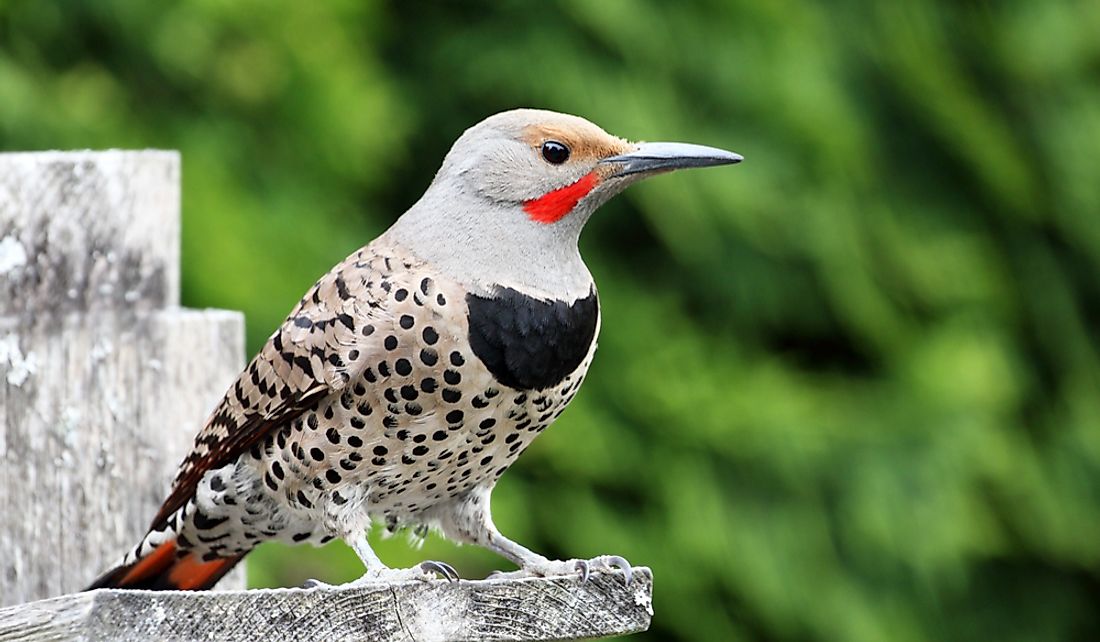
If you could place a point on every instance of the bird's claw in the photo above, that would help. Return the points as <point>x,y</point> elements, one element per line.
<point>615,561</point>
<point>442,568</point>
<point>607,562</point>
<point>582,567</point>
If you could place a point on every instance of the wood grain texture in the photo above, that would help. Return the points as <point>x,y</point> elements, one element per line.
<point>555,608</point>
<point>85,231</point>
<point>103,381</point>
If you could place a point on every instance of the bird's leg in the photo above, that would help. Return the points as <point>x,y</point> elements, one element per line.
<point>531,563</point>
<point>470,521</point>
<point>377,572</point>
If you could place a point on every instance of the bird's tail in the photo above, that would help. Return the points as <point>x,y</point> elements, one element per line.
<point>167,568</point>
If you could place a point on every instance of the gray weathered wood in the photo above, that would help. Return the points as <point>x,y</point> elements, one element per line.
<point>83,231</point>
<point>552,608</point>
<point>103,380</point>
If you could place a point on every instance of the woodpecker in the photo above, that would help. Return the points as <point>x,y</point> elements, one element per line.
<point>411,375</point>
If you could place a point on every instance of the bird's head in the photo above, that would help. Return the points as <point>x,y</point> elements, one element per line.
<point>552,166</point>
<point>508,203</point>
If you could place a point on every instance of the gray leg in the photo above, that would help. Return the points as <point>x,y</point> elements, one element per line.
<point>377,571</point>
<point>366,554</point>
<point>470,521</point>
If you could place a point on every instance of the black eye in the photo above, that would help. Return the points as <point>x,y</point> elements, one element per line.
<point>555,152</point>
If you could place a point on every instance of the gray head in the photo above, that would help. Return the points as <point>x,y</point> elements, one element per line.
<point>507,206</point>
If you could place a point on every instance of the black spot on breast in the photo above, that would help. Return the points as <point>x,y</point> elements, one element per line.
<point>530,344</point>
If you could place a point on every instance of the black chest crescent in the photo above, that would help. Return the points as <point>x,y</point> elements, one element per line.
<point>529,344</point>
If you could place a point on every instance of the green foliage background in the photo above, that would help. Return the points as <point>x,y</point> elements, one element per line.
<point>847,390</point>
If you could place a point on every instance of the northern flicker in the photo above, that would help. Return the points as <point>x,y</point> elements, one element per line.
<point>412,374</point>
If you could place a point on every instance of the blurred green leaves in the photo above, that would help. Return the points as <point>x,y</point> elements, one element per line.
<point>846,390</point>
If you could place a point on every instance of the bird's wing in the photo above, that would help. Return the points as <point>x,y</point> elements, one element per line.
<point>312,355</point>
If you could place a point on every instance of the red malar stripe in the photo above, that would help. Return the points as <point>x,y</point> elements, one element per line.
<point>552,206</point>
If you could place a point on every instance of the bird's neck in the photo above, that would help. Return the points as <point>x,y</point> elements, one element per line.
<point>483,249</point>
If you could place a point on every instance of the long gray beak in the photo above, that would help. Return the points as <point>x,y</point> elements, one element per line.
<point>658,157</point>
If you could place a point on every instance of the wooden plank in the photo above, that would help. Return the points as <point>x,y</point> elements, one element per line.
<point>103,380</point>
<point>89,440</point>
<point>555,608</point>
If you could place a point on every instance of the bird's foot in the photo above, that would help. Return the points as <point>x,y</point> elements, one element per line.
<point>582,568</point>
<point>425,571</point>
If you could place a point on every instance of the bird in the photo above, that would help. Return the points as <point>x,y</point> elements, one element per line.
<point>408,379</point>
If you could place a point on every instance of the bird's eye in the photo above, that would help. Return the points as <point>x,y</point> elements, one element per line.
<point>555,152</point>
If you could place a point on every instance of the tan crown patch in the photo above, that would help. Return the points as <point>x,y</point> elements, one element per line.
<point>585,141</point>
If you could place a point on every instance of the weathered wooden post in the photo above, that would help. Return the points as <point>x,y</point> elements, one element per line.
<point>104,381</point>
<point>103,378</point>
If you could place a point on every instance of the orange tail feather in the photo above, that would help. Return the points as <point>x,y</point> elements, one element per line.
<point>164,570</point>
